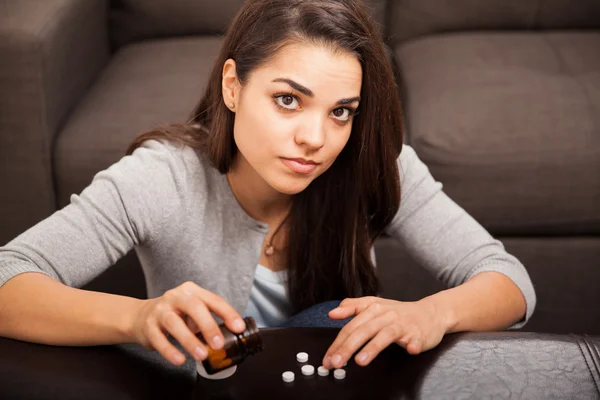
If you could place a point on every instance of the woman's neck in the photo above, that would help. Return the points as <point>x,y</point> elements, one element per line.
<point>258,199</point>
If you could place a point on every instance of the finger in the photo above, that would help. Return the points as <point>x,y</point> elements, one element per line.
<point>341,312</point>
<point>351,306</point>
<point>332,358</point>
<point>222,308</point>
<point>347,330</point>
<point>160,343</point>
<point>361,336</point>
<point>349,300</point>
<point>198,311</point>
<point>191,324</point>
<point>414,346</point>
<point>386,336</point>
<point>176,327</point>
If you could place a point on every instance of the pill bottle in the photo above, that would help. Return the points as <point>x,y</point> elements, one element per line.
<point>222,363</point>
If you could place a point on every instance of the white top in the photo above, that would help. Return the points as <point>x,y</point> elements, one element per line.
<point>269,302</point>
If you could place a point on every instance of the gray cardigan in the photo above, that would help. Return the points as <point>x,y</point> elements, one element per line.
<point>181,217</point>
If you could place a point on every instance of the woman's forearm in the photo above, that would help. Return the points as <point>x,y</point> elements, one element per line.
<point>37,308</point>
<point>488,301</point>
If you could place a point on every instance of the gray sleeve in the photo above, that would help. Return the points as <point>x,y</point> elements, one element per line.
<point>443,238</point>
<point>123,207</point>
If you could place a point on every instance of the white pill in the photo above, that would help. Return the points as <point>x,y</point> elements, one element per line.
<point>308,370</point>
<point>302,357</point>
<point>288,376</point>
<point>339,374</point>
<point>322,371</point>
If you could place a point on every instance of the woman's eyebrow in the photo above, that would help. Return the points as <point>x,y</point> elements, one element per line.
<point>309,93</point>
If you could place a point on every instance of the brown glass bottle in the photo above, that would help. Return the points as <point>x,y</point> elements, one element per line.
<point>235,349</point>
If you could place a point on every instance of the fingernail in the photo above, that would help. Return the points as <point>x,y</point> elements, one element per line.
<point>199,353</point>
<point>362,357</point>
<point>337,359</point>
<point>217,342</point>
<point>238,325</point>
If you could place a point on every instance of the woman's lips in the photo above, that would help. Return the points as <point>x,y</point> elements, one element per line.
<point>300,166</point>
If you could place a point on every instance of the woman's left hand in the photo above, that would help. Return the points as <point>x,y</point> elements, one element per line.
<point>378,322</point>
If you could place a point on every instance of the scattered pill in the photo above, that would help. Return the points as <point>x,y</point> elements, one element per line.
<point>339,374</point>
<point>302,357</point>
<point>322,371</point>
<point>288,376</point>
<point>308,370</point>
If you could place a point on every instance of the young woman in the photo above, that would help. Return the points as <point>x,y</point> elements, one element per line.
<point>267,203</point>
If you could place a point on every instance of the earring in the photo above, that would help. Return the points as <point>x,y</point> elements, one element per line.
<point>231,105</point>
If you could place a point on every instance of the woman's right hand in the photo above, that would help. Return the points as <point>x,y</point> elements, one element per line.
<point>181,313</point>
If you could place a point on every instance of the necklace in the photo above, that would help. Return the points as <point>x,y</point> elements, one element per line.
<point>269,248</point>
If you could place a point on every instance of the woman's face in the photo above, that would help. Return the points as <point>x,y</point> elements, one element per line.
<point>294,114</point>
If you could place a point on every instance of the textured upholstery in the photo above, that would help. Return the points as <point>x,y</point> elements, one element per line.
<point>145,85</point>
<point>133,20</point>
<point>415,18</point>
<point>510,118</point>
<point>51,52</point>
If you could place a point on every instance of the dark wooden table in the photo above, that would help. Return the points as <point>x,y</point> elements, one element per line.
<point>469,365</point>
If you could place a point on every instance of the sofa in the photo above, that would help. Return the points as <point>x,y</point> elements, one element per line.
<point>501,98</point>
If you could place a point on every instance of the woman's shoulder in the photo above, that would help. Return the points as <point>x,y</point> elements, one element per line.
<point>178,158</point>
<point>410,166</point>
<point>175,151</point>
<point>169,166</point>
<point>408,156</point>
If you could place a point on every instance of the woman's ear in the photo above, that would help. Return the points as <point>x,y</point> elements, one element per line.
<point>230,85</point>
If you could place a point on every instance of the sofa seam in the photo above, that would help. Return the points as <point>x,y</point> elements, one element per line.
<point>596,366</point>
<point>579,339</point>
<point>594,350</point>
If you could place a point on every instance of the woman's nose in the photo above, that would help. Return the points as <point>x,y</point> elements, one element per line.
<point>311,134</point>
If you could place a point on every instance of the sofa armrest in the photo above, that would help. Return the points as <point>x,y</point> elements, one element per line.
<point>51,51</point>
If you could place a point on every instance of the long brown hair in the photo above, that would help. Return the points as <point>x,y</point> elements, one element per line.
<point>335,220</point>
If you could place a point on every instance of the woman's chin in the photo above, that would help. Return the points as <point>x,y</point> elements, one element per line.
<point>291,187</point>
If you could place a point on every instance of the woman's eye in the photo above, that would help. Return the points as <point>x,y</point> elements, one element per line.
<point>343,114</point>
<point>287,101</point>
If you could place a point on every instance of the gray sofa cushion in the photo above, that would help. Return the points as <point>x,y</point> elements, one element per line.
<point>50,53</point>
<point>510,123</point>
<point>133,20</point>
<point>413,18</point>
<point>145,85</point>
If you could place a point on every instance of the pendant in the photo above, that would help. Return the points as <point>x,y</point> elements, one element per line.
<point>269,250</point>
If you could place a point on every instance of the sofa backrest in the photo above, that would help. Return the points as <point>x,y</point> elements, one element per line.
<point>413,18</point>
<point>134,20</point>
